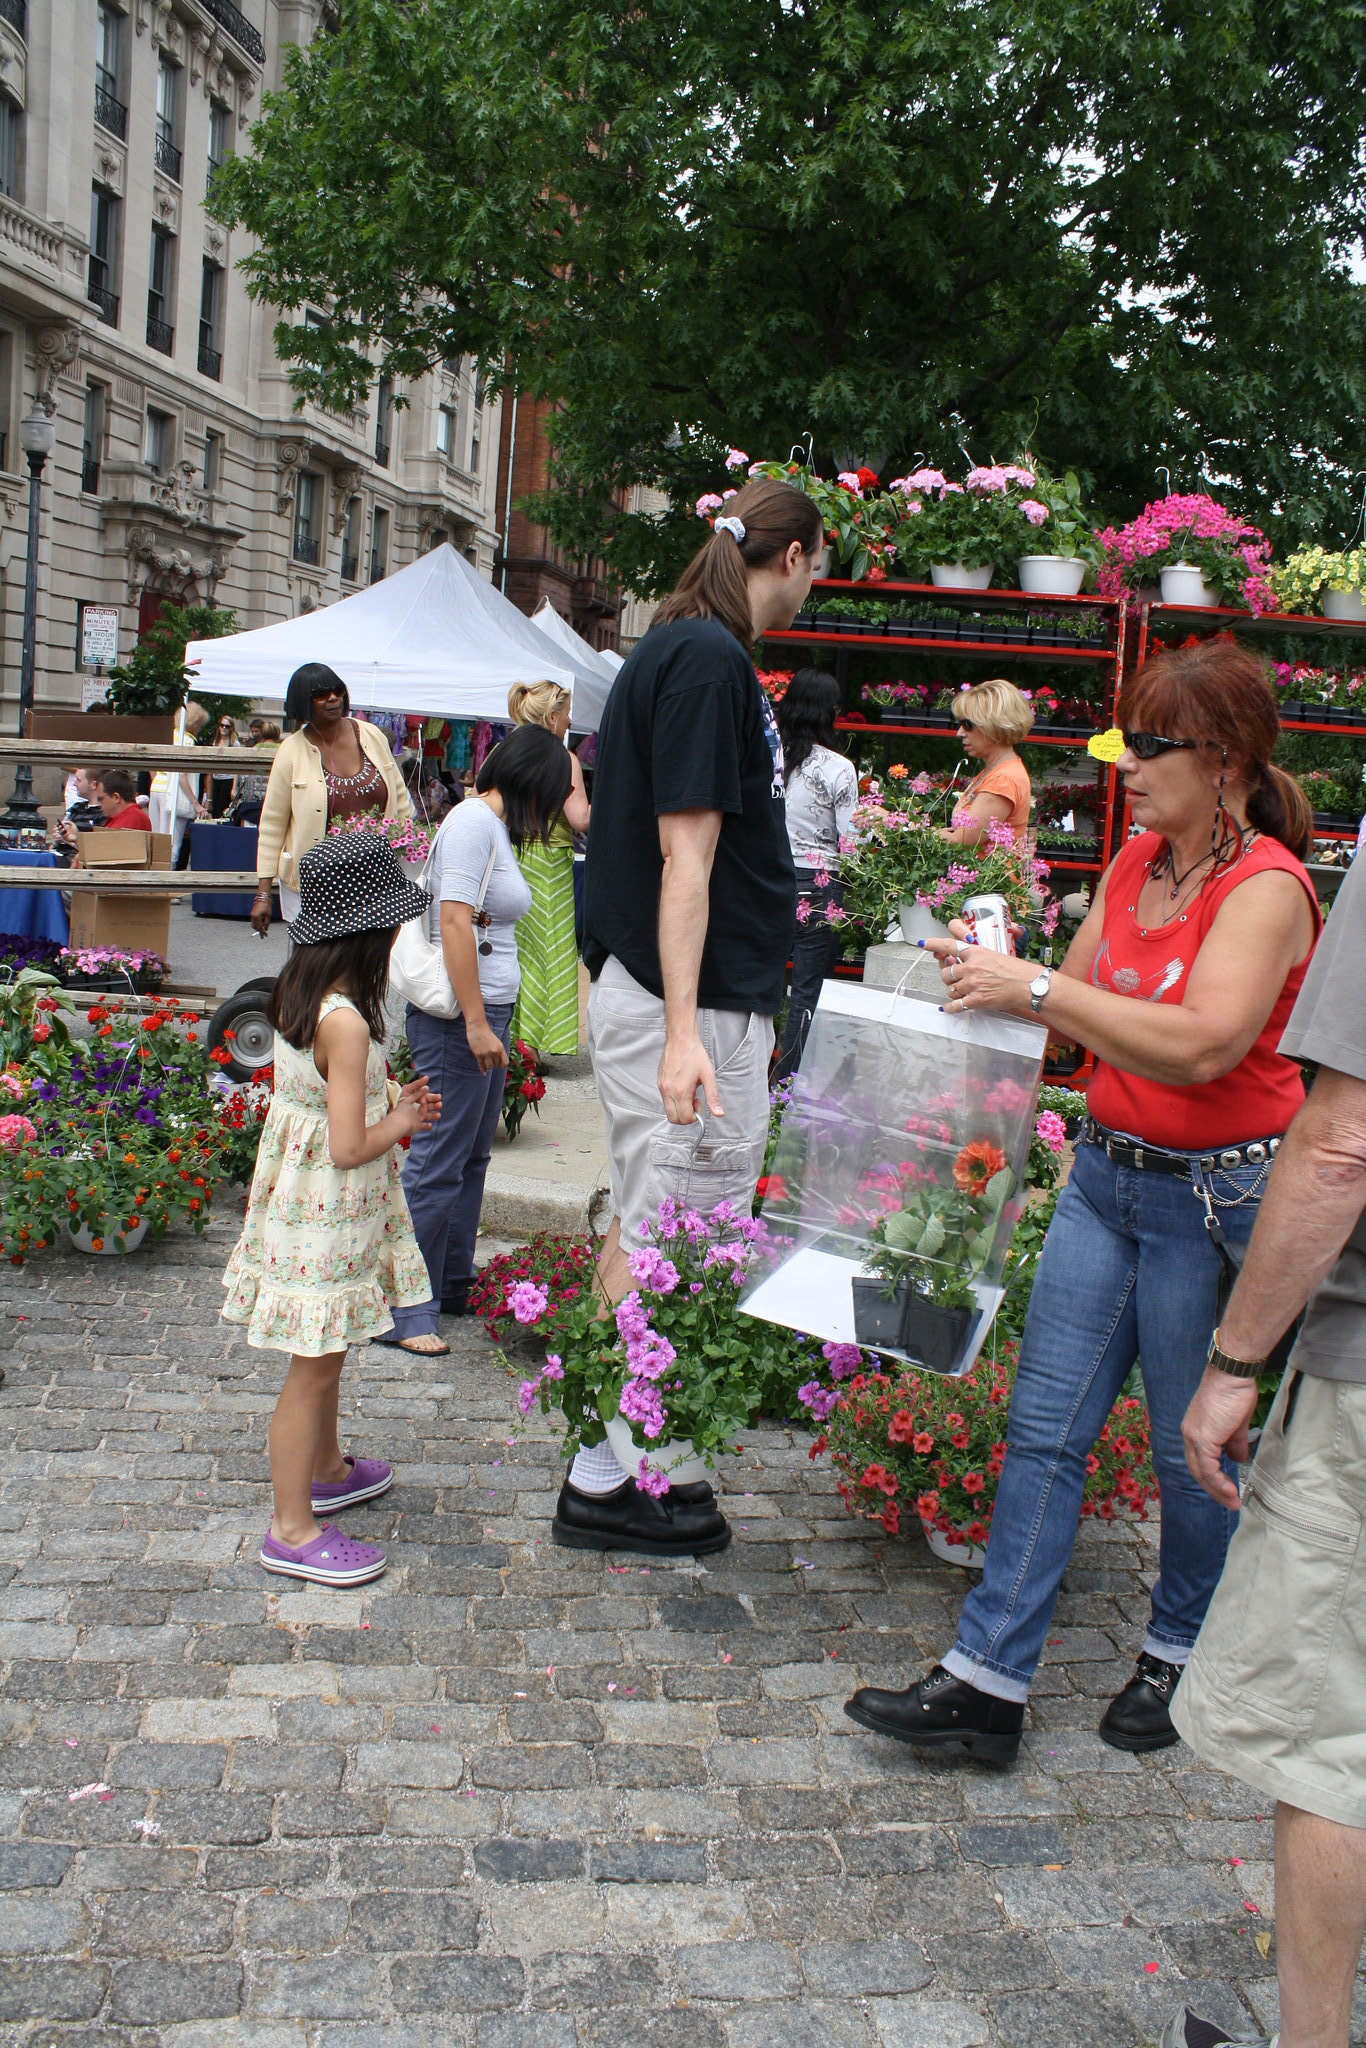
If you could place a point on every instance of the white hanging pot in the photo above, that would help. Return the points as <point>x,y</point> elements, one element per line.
<point>677,1458</point>
<point>826,564</point>
<point>413,869</point>
<point>953,576</point>
<point>1344,604</point>
<point>84,1239</point>
<point>918,922</point>
<point>971,1556</point>
<point>1051,575</point>
<point>1184,584</point>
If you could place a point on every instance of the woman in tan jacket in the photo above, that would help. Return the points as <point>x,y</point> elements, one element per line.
<point>332,767</point>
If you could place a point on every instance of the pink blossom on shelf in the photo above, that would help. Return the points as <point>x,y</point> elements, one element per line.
<point>1050,918</point>
<point>10,1084</point>
<point>1033,511</point>
<point>649,1268</point>
<point>836,914</point>
<point>999,833</point>
<point>710,501</point>
<point>14,1132</point>
<point>849,478</point>
<point>1015,475</point>
<point>803,910</point>
<point>986,482</point>
<point>552,1369</point>
<point>923,480</point>
<point>736,459</point>
<point>526,1398</point>
<point>726,496</point>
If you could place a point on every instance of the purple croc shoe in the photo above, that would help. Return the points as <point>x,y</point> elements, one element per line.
<point>368,1478</point>
<point>331,1559</point>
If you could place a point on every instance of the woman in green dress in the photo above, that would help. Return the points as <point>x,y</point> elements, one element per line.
<point>547,1014</point>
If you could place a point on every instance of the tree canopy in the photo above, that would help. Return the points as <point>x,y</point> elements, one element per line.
<point>1124,233</point>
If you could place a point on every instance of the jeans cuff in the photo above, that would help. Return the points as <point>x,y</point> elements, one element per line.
<point>415,1322</point>
<point>982,1678</point>
<point>1167,1653</point>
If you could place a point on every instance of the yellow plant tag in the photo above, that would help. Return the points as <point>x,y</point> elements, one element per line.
<point>1106,746</point>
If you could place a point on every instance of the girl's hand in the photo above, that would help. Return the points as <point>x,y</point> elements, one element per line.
<point>486,1046</point>
<point>413,1113</point>
<point>975,978</point>
<point>429,1104</point>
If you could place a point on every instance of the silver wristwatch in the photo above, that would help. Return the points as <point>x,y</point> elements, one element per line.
<point>1039,987</point>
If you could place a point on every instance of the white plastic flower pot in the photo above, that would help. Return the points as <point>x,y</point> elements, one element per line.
<point>971,1556</point>
<point>413,869</point>
<point>84,1239</point>
<point>953,576</point>
<point>1184,584</point>
<point>1344,604</point>
<point>918,922</point>
<point>677,1458</point>
<point>1051,575</point>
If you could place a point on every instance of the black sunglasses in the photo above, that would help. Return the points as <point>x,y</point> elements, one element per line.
<point>329,690</point>
<point>966,725</point>
<point>1146,746</point>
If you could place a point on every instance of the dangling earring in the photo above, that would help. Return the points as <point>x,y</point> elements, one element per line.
<point>1219,838</point>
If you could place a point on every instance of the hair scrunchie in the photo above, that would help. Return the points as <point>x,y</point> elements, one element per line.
<point>729,524</point>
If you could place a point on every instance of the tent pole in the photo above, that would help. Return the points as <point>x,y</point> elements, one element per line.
<point>507,501</point>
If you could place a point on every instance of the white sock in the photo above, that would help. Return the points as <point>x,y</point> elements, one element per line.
<point>597,1471</point>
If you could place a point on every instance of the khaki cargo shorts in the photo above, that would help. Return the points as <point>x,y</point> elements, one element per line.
<point>1275,1690</point>
<point>697,1165</point>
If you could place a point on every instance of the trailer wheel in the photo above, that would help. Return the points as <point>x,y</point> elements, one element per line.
<point>251,1045</point>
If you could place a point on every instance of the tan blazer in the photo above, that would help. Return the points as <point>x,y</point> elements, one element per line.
<point>294,814</point>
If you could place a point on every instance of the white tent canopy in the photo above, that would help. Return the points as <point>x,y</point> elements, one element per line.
<point>434,638</point>
<point>604,660</point>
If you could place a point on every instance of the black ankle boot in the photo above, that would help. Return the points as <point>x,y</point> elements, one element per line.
<point>1139,1718</point>
<point>940,1709</point>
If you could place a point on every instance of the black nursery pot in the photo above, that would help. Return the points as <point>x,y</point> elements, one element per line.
<point>877,1321</point>
<point>931,1335</point>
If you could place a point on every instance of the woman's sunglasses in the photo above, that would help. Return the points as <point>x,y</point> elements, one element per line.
<point>966,725</point>
<point>332,690</point>
<point>1146,746</point>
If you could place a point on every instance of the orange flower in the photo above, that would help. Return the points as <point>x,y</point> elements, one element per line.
<point>976,1164</point>
<point>898,771</point>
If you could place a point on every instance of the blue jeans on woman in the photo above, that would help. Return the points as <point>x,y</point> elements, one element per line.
<point>444,1177</point>
<point>814,950</point>
<point>1128,1271</point>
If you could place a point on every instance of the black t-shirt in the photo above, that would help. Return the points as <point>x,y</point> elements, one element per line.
<point>687,728</point>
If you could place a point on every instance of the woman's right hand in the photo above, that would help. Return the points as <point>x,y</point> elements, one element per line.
<point>486,1046</point>
<point>260,912</point>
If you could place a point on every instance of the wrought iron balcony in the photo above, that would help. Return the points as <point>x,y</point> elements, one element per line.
<point>160,335</point>
<point>90,473</point>
<point>306,549</point>
<point>111,113</point>
<point>376,567</point>
<point>12,11</point>
<point>237,26</point>
<point>106,301</point>
<point>350,567</point>
<point>382,454</point>
<point>168,157</point>
<point>210,362</point>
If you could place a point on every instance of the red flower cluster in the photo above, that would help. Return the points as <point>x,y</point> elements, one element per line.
<point>563,1266</point>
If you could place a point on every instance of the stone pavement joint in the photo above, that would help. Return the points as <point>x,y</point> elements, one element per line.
<point>510,1796</point>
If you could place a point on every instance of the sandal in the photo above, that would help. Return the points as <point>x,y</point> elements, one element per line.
<point>367,1479</point>
<point>414,1346</point>
<point>331,1559</point>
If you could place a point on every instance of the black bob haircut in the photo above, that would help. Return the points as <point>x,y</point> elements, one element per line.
<point>308,682</point>
<point>530,771</point>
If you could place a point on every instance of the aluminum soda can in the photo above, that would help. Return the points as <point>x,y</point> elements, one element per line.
<point>989,918</point>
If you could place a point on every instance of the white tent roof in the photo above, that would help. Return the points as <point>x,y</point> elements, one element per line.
<point>603,661</point>
<point>436,638</point>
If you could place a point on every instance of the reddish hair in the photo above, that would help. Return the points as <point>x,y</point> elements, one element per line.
<point>1217,694</point>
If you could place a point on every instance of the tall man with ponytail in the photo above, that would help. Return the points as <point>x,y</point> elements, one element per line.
<point>689,913</point>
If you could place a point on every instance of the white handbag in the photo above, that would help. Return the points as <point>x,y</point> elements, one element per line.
<point>417,964</point>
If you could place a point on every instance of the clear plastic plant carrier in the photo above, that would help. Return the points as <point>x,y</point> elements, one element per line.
<point>899,1176</point>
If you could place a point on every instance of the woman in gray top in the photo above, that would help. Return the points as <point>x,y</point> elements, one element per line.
<point>822,790</point>
<point>478,894</point>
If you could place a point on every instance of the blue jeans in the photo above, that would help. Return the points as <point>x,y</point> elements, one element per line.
<point>444,1177</point>
<point>1127,1271</point>
<point>814,951</point>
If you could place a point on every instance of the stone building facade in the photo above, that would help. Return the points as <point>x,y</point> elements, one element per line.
<point>182,471</point>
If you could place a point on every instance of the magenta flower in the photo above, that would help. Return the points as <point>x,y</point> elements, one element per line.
<point>1033,511</point>
<point>527,1301</point>
<point>708,502</point>
<point>736,458</point>
<point>1050,1128</point>
<point>842,1359</point>
<point>650,1479</point>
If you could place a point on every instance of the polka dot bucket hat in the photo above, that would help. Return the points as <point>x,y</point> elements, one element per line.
<point>352,882</point>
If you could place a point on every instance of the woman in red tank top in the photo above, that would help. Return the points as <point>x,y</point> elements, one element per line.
<point>1180,981</point>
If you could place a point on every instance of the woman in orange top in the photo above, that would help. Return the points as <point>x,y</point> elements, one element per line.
<point>991,718</point>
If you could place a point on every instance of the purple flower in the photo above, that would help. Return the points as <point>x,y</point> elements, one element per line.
<point>651,1269</point>
<point>842,1359</point>
<point>694,1287</point>
<point>820,1400</point>
<point>651,1480</point>
<point>526,1399</point>
<point>527,1301</point>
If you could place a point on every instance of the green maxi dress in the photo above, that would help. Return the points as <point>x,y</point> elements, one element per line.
<point>547,1013</point>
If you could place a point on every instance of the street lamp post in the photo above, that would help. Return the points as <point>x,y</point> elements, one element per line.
<point>37,438</point>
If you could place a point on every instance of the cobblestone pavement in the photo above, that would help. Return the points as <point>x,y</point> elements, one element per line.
<point>518,1797</point>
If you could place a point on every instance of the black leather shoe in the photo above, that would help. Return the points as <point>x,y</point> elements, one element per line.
<point>941,1709</point>
<point>628,1519</point>
<point>1140,1717</point>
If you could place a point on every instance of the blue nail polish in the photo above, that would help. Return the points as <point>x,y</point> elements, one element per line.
<point>920,942</point>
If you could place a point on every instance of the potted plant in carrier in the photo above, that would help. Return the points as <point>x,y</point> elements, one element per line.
<point>924,1255</point>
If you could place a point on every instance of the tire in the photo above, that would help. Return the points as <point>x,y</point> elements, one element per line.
<point>252,1044</point>
<point>257,981</point>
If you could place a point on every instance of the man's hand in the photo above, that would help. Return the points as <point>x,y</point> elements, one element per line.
<point>1216,1421</point>
<point>682,1071</point>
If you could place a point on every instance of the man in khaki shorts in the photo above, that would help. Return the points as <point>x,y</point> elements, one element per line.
<point>690,902</point>
<point>1275,1690</point>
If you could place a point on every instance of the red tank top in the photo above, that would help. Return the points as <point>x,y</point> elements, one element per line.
<point>1262,1093</point>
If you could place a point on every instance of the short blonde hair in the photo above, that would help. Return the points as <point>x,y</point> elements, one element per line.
<point>536,703</point>
<point>997,708</point>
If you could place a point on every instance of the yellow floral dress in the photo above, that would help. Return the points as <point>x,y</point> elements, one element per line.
<point>324,1250</point>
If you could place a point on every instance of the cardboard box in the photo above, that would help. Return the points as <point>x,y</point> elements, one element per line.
<point>136,923</point>
<point>128,728</point>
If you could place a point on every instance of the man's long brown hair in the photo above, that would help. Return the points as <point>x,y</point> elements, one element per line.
<point>714,585</point>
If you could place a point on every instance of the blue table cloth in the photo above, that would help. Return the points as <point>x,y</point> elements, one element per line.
<point>222,849</point>
<point>32,913</point>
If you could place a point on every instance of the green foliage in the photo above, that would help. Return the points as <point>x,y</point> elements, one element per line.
<point>896,225</point>
<point>939,1240</point>
<point>155,679</point>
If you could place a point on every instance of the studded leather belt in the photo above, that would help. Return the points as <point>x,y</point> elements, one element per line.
<point>1158,1159</point>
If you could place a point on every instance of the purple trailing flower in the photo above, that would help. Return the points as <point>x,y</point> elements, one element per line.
<point>526,1399</point>
<point>649,1268</point>
<point>820,1400</point>
<point>651,1480</point>
<point>842,1359</point>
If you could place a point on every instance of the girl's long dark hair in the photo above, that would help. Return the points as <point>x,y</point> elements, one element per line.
<point>714,584</point>
<point>358,965</point>
<point>806,716</point>
<point>530,771</point>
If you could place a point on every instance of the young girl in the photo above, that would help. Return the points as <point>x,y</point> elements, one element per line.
<point>328,1245</point>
